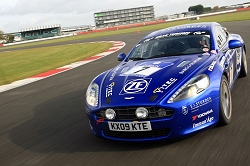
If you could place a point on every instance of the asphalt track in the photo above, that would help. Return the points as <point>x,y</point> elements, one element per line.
<point>44,123</point>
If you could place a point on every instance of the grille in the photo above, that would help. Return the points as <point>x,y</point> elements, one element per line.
<point>141,134</point>
<point>128,113</point>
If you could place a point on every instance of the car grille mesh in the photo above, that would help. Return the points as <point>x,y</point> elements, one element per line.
<point>128,113</point>
<point>141,134</point>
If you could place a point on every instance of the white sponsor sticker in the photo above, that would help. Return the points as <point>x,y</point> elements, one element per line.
<point>200,103</point>
<point>202,115</point>
<point>109,89</point>
<point>211,67</point>
<point>207,120</point>
<point>165,86</point>
<point>189,65</point>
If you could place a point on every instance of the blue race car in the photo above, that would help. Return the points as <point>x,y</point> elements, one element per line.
<point>174,82</point>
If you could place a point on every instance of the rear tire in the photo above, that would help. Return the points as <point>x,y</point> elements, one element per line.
<point>243,70</point>
<point>225,102</point>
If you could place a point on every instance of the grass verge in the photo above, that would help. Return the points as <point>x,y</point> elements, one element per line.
<point>16,65</point>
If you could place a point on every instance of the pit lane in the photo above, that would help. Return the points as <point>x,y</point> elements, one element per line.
<point>44,123</point>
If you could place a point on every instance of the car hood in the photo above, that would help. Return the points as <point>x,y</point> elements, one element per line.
<point>145,82</point>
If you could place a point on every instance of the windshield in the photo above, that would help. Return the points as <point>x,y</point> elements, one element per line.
<point>174,44</point>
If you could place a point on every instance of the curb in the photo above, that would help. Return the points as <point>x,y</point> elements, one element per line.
<point>117,45</point>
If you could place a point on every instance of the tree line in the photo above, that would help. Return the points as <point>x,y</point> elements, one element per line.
<point>200,9</point>
<point>6,38</point>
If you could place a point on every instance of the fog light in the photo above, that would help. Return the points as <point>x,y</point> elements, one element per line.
<point>162,112</point>
<point>110,114</point>
<point>141,113</point>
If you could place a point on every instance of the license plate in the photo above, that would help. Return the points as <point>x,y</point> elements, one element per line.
<point>130,126</point>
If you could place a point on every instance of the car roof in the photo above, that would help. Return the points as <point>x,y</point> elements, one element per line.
<point>183,28</point>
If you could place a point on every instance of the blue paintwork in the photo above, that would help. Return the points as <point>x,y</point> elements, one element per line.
<point>117,84</point>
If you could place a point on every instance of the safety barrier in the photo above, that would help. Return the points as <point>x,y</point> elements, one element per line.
<point>243,9</point>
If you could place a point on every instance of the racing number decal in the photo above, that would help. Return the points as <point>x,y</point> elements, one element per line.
<point>141,71</point>
<point>143,68</point>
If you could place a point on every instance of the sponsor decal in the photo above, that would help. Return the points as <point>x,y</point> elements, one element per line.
<point>211,67</point>
<point>200,103</point>
<point>207,120</point>
<point>183,63</point>
<point>202,115</point>
<point>199,33</point>
<point>137,86</point>
<point>222,61</point>
<point>190,65</point>
<point>157,64</point>
<point>113,74</point>
<point>184,110</point>
<point>165,86</point>
<point>109,89</point>
<point>172,34</point>
<point>99,120</point>
<point>185,27</point>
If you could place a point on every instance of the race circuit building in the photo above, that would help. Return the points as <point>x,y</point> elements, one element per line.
<point>39,32</point>
<point>112,18</point>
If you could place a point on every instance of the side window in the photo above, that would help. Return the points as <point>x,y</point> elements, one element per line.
<point>224,32</point>
<point>221,36</point>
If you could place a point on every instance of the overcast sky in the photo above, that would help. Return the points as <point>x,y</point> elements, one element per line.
<point>18,14</point>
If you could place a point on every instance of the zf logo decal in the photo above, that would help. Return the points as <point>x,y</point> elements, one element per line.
<point>138,86</point>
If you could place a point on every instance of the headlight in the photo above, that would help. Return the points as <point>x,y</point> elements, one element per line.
<point>92,94</point>
<point>141,113</point>
<point>193,87</point>
<point>110,114</point>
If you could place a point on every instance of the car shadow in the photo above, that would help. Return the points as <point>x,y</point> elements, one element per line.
<point>60,125</point>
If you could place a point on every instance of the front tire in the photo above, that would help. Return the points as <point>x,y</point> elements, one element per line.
<point>225,102</point>
<point>243,70</point>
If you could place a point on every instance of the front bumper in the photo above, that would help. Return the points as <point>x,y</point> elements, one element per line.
<point>187,119</point>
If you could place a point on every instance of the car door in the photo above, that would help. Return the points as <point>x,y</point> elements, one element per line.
<point>229,58</point>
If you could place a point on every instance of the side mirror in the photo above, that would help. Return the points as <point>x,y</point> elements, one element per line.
<point>235,44</point>
<point>121,56</point>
